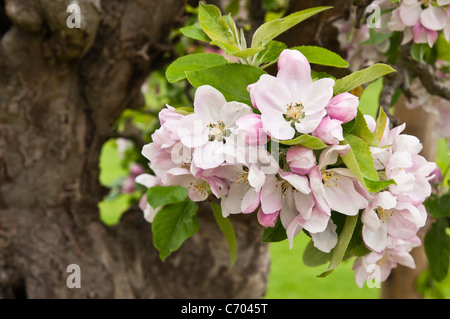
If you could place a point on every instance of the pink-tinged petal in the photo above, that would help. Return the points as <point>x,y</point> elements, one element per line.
<point>232,111</point>
<point>304,204</point>
<point>232,203</point>
<point>250,128</point>
<point>371,123</point>
<point>329,131</point>
<point>148,180</point>
<point>399,160</point>
<point>256,177</point>
<point>410,13</point>
<point>294,70</point>
<point>267,220</point>
<point>168,114</point>
<point>407,36</point>
<point>407,143</point>
<point>293,229</point>
<point>310,123</point>
<point>317,223</point>
<point>317,95</point>
<point>375,240</point>
<point>325,241</point>
<point>192,131</point>
<point>252,96</point>
<point>277,127</point>
<point>385,200</point>
<point>433,18</point>
<point>401,226</point>
<point>208,103</point>
<point>209,156</point>
<point>250,201</point>
<point>299,182</point>
<point>301,159</point>
<point>271,196</point>
<point>330,155</point>
<point>446,31</point>
<point>370,219</point>
<point>271,95</point>
<point>342,196</point>
<point>288,212</point>
<point>343,107</point>
<point>318,190</point>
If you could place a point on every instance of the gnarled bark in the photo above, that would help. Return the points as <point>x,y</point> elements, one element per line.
<point>61,91</point>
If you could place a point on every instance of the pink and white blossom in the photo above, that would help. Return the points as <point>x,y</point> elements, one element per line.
<point>291,102</point>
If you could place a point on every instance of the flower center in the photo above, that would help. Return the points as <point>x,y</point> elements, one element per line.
<point>217,131</point>
<point>294,112</point>
<point>199,189</point>
<point>384,214</point>
<point>426,3</point>
<point>327,179</point>
<point>242,177</point>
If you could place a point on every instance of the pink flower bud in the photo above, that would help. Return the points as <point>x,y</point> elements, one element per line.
<point>301,159</point>
<point>329,131</point>
<point>251,130</point>
<point>343,107</point>
<point>267,220</point>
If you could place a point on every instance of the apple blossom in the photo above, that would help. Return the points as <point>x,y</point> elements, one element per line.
<point>291,102</point>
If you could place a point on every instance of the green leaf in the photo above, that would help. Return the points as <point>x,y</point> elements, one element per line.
<point>308,141</point>
<point>344,238</point>
<point>359,78</point>
<point>359,159</point>
<point>382,121</point>
<point>442,48</point>
<point>270,53</point>
<point>322,56</point>
<point>438,207</point>
<point>361,130</point>
<point>158,196</point>
<point>195,32</point>
<point>274,234</point>
<point>437,248</point>
<point>422,53</point>
<point>377,186</point>
<point>227,229</point>
<point>214,25</point>
<point>230,79</point>
<point>173,225</point>
<point>270,30</point>
<point>193,62</point>
<point>313,257</point>
<point>184,110</point>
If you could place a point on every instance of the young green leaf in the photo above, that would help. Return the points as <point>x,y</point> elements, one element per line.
<point>359,78</point>
<point>195,32</point>
<point>381,124</point>
<point>270,30</point>
<point>192,62</point>
<point>158,196</point>
<point>308,141</point>
<point>344,238</point>
<point>322,56</point>
<point>313,257</point>
<point>214,25</point>
<point>361,130</point>
<point>227,229</point>
<point>173,225</point>
<point>359,160</point>
<point>230,79</point>
<point>274,234</point>
<point>270,53</point>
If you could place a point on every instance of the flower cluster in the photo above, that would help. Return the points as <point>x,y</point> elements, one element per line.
<point>394,216</point>
<point>250,158</point>
<point>421,21</point>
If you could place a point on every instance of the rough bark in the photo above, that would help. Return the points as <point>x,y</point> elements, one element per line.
<point>61,91</point>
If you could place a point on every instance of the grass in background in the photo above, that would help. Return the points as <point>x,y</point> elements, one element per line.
<point>289,278</point>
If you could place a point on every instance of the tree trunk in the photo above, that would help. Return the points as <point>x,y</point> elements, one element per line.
<point>61,91</point>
